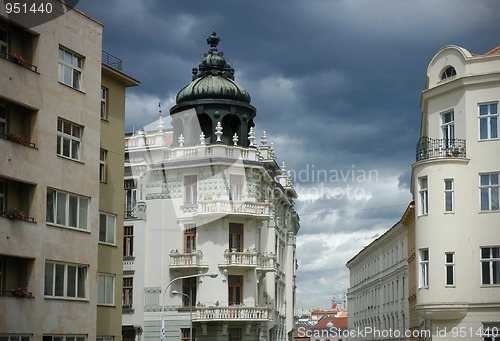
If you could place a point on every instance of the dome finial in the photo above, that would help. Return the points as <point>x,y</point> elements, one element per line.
<point>213,41</point>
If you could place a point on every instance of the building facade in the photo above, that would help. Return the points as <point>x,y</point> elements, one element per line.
<point>378,290</point>
<point>207,198</point>
<point>455,183</point>
<point>60,275</point>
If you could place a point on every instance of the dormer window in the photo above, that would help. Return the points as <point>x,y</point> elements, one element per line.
<point>448,72</point>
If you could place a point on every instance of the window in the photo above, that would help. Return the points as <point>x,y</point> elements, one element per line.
<point>14,337</point>
<point>489,188</point>
<point>65,280</point>
<point>104,101</point>
<point>185,334</point>
<point>491,331</point>
<point>490,265</point>
<point>235,289</point>
<point>450,268</point>
<point>102,165</point>
<point>105,288</point>
<point>190,189</point>
<point>424,268</point>
<point>448,72</point>
<point>107,228</point>
<point>488,121</point>
<point>236,237</point>
<point>2,195</point>
<point>234,334</point>
<point>448,128</point>
<point>3,120</point>
<point>189,288</point>
<point>4,43</point>
<point>130,197</point>
<point>64,338</point>
<point>104,338</point>
<point>70,68</point>
<point>128,241</point>
<point>236,187</point>
<point>189,238</point>
<point>424,200</point>
<point>128,292</point>
<point>67,209</point>
<point>68,139</point>
<point>448,195</point>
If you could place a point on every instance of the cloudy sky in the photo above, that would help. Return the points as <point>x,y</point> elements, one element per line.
<point>336,84</point>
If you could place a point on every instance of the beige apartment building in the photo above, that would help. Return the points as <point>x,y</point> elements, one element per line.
<point>61,190</point>
<point>455,183</point>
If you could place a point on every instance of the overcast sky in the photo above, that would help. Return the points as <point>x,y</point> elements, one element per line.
<point>336,85</point>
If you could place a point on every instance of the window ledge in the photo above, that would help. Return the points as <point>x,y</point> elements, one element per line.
<point>70,87</point>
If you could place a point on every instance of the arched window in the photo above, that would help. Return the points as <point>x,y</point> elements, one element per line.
<point>448,72</point>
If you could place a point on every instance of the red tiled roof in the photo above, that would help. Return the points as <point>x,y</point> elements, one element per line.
<point>494,51</point>
<point>338,322</point>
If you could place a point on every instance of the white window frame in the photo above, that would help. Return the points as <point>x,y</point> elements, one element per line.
<point>68,280</point>
<point>69,137</point>
<point>236,186</point>
<point>70,68</point>
<point>104,102</point>
<point>424,268</point>
<point>107,228</point>
<point>103,155</point>
<point>191,189</point>
<point>59,337</point>
<point>489,191</point>
<point>105,289</point>
<point>423,191</point>
<point>15,337</point>
<point>449,195</point>
<point>104,338</point>
<point>493,264</point>
<point>489,119</point>
<point>449,259</point>
<point>60,208</point>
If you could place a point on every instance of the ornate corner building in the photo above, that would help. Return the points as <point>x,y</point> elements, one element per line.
<point>455,183</point>
<point>209,234</point>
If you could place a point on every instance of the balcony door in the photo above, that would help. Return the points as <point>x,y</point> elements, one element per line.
<point>189,238</point>
<point>448,128</point>
<point>235,290</point>
<point>236,237</point>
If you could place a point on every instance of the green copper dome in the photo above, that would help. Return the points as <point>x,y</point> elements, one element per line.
<point>213,79</point>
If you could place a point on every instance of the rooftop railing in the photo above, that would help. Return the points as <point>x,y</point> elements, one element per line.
<point>111,61</point>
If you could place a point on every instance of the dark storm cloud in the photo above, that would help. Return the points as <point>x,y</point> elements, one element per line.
<point>336,85</point>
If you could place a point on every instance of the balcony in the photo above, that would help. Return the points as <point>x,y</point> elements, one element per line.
<point>111,61</point>
<point>428,148</point>
<point>191,260</point>
<point>17,197</point>
<point>230,207</point>
<point>19,60</point>
<point>249,259</point>
<point>233,313</point>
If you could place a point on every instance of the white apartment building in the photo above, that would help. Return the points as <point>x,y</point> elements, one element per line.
<point>378,290</point>
<point>60,251</point>
<point>207,198</point>
<point>455,183</point>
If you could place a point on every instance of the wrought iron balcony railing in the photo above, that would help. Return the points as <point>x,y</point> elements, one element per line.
<point>428,148</point>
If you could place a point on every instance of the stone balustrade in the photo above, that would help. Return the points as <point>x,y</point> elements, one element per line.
<point>186,260</point>
<point>240,313</point>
